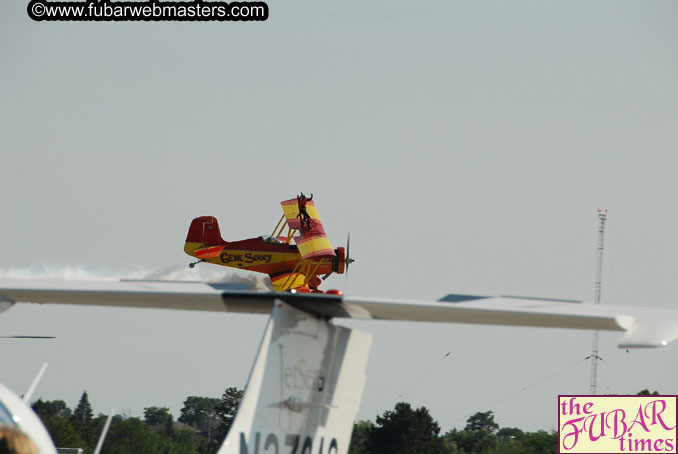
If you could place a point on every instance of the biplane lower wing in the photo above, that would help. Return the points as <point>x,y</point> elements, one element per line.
<point>643,327</point>
<point>286,281</point>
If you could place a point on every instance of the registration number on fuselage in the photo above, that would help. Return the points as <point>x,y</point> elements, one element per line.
<point>292,444</point>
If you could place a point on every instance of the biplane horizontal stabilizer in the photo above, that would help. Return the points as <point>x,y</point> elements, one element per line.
<point>209,252</point>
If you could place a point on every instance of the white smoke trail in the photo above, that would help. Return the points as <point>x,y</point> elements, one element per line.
<point>65,273</point>
<point>212,275</point>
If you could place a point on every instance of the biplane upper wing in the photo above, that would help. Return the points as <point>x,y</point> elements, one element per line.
<point>312,240</point>
<point>291,209</point>
<point>643,327</point>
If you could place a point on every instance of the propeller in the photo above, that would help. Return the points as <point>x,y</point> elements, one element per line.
<point>349,260</point>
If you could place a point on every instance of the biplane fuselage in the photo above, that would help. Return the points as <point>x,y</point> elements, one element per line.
<point>260,255</point>
<point>290,266</point>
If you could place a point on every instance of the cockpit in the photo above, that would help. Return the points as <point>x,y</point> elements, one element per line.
<point>6,416</point>
<point>270,239</point>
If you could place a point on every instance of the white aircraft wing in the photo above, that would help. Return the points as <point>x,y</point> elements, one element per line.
<point>643,327</point>
<point>183,295</point>
<point>315,410</point>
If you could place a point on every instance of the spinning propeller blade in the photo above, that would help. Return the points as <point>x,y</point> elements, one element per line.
<point>349,260</point>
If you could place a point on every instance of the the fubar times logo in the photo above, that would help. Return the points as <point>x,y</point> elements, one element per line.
<point>617,424</point>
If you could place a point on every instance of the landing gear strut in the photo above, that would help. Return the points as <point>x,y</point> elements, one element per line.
<point>192,264</point>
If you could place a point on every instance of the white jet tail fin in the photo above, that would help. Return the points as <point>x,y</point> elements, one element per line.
<point>304,389</point>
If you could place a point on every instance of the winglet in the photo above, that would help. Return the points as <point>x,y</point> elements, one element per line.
<point>647,333</point>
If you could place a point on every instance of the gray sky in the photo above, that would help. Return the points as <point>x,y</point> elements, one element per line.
<point>465,145</point>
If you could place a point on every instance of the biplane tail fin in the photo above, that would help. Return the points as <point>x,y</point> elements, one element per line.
<point>203,235</point>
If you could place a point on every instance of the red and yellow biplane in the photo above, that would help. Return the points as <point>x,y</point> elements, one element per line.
<point>296,266</point>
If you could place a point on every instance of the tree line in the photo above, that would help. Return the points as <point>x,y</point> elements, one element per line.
<point>204,422</point>
<point>200,428</point>
<point>405,430</point>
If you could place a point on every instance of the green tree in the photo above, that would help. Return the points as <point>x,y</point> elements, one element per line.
<point>185,442</point>
<point>155,416</point>
<point>63,433</point>
<point>405,431</point>
<point>134,436</point>
<point>478,436</point>
<point>199,412</point>
<point>156,434</point>
<point>94,429</point>
<point>225,412</point>
<point>510,432</point>
<point>646,392</point>
<point>509,441</point>
<point>54,408</point>
<point>160,416</point>
<point>540,442</point>
<point>83,411</point>
<point>482,421</point>
<point>361,430</point>
<point>131,436</point>
<point>56,416</point>
<point>451,447</point>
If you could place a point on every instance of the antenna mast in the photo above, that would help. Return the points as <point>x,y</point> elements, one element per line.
<point>595,357</point>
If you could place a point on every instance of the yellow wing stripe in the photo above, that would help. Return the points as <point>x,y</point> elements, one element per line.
<point>291,210</point>
<point>312,211</point>
<point>314,247</point>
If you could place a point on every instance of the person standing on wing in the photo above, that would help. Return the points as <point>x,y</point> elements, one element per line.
<point>305,218</point>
